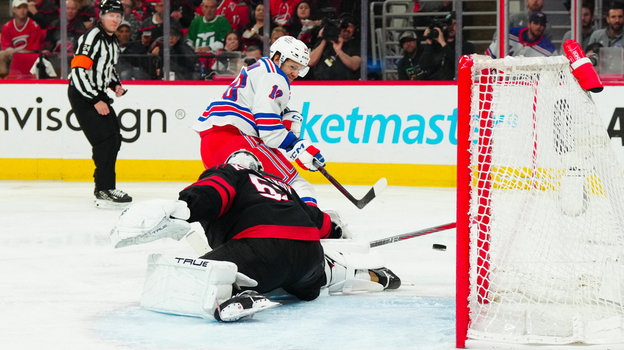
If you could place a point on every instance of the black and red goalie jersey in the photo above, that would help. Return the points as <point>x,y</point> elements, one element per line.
<point>233,202</point>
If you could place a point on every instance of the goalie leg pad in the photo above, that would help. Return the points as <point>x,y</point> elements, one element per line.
<point>187,286</point>
<point>346,267</point>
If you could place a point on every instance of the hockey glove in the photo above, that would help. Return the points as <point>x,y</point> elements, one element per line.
<point>304,154</point>
<point>338,227</point>
<point>148,221</point>
<point>292,120</point>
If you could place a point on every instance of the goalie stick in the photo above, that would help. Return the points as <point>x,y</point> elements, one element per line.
<point>379,186</point>
<point>413,234</point>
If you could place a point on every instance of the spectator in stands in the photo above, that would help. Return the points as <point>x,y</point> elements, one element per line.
<point>131,18</point>
<point>124,38</point>
<point>21,34</point>
<point>187,11</point>
<point>236,12</point>
<point>153,24</point>
<point>521,19</point>
<point>612,36</point>
<point>140,10</point>
<point>304,24</point>
<point>253,32</point>
<point>124,35</point>
<point>408,67</point>
<point>251,55</point>
<point>136,54</point>
<point>207,34</point>
<point>86,13</point>
<point>146,9</point>
<point>183,61</point>
<point>282,10</point>
<point>44,12</point>
<point>229,59</point>
<point>276,33</point>
<point>337,57</point>
<point>75,28</point>
<point>592,51</point>
<point>587,26</point>
<point>438,58</point>
<point>527,41</point>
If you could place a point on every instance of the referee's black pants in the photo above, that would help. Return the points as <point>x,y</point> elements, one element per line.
<point>103,133</point>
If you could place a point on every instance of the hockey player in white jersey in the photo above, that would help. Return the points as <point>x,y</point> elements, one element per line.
<point>253,114</point>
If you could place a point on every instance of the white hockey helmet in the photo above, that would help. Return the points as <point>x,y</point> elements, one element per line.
<point>290,47</point>
<point>245,159</point>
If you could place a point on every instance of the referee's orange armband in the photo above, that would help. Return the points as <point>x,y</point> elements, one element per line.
<point>81,61</point>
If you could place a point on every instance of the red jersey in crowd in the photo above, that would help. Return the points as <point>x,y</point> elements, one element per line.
<point>282,10</point>
<point>28,37</point>
<point>237,13</point>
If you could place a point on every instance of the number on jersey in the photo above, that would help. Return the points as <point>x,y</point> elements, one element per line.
<point>267,189</point>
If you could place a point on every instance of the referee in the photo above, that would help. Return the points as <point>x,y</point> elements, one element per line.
<point>92,72</point>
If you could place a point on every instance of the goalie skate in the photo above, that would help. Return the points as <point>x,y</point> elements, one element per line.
<point>387,278</point>
<point>242,305</point>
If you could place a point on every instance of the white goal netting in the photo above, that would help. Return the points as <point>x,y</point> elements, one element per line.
<point>546,210</point>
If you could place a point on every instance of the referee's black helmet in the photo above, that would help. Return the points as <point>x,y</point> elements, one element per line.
<point>110,6</point>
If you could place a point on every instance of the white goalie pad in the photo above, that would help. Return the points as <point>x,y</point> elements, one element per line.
<point>189,286</point>
<point>346,265</point>
<point>147,221</point>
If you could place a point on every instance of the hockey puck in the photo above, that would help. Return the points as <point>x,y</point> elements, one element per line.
<point>439,247</point>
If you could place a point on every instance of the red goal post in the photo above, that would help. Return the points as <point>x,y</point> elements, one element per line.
<point>540,211</point>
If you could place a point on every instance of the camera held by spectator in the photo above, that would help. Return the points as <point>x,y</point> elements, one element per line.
<point>441,23</point>
<point>592,52</point>
<point>331,29</point>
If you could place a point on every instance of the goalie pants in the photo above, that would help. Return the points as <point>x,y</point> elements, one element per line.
<point>103,133</point>
<point>296,266</point>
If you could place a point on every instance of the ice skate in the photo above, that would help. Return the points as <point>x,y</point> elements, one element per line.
<point>242,305</point>
<point>386,278</point>
<point>110,199</point>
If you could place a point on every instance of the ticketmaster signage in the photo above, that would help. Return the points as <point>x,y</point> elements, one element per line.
<point>362,124</point>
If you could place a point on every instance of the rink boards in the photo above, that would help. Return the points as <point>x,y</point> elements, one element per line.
<point>404,132</point>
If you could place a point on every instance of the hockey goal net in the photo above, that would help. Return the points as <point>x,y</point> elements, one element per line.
<point>540,214</point>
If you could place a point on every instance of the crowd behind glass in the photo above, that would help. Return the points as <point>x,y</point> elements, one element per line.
<point>213,39</point>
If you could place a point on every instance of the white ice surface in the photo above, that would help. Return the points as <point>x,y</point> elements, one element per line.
<point>62,285</point>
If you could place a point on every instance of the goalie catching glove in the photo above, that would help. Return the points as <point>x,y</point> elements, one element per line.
<point>306,155</point>
<point>148,221</point>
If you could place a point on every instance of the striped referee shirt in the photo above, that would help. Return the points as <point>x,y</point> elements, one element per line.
<point>93,66</point>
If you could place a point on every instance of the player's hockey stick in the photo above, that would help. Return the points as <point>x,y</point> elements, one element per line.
<point>379,186</point>
<point>413,234</point>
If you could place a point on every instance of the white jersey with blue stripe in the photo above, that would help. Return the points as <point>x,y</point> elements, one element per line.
<point>518,46</point>
<point>253,103</point>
